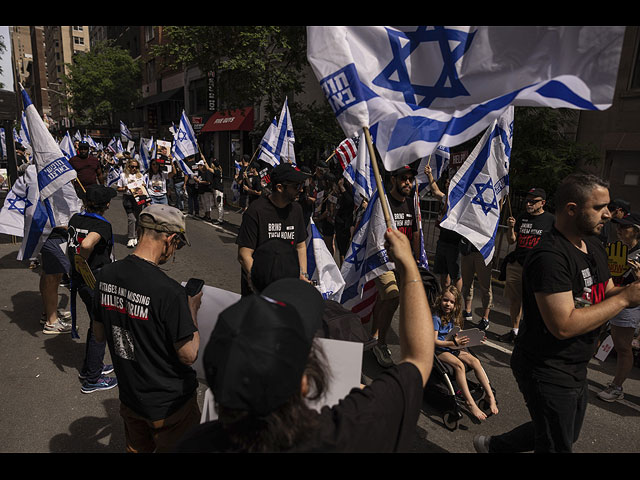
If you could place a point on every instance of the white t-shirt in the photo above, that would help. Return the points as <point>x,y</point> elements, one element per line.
<point>157,183</point>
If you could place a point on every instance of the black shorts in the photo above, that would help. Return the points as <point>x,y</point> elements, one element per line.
<point>447,260</point>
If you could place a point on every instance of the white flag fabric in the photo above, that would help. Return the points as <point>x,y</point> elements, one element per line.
<point>113,176</point>
<point>321,267</point>
<point>419,87</point>
<point>147,152</point>
<point>478,187</point>
<point>184,140</point>
<point>268,145</point>
<point>13,210</point>
<point>67,147</point>
<point>359,173</point>
<point>366,258</point>
<point>285,129</point>
<point>54,170</point>
<point>125,134</point>
<point>439,162</point>
<point>41,216</point>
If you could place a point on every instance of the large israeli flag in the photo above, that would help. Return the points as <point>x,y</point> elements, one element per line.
<point>478,187</point>
<point>419,87</point>
<point>269,145</point>
<point>321,267</point>
<point>13,210</point>
<point>67,147</point>
<point>147,152</point>
<point>42,215</point>
<point>439,162</point>
<point>366,258</point>
<point>285,129</point>
<point>54,170</point>
<point>359,173</point>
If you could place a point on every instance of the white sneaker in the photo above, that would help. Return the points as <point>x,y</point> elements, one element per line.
<point>611,393</point>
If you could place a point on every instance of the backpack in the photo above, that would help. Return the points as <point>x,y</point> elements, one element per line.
<point>338,323</point>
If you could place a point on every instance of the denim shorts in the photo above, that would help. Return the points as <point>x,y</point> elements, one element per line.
<point>54,260</point>
<point>629,318</point>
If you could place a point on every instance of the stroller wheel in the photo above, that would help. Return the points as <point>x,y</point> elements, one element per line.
<point>450,420</point>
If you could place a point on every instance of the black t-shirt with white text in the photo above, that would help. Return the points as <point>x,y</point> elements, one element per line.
<point>529,230</point>
<point>145,313</point>
<point>263,220</point>
<point>555,266</point>
<point>403,213</point>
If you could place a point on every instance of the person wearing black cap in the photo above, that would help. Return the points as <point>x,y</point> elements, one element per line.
<point>618,208</point>
<point>568,295</point>
<point>624,325</point>
<point>525,233</point>
<point>403,213</point>
<point>275,215</point>
<point>150,325</point>
<point>262,365</point>
<point>87,166</point>
<point>91,237</point>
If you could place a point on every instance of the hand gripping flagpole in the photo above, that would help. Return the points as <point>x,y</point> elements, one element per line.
<point>376,172</point>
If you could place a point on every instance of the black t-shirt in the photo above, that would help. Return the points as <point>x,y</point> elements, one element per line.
<point>263,220</point>
<point>207,176</point>
<point>80,225</point>
<point>381,417</point>
<point>403,213</point>
<point>144,313</point>
<point>554,266</point>
<point>216,180</point>
<point>529,230</point>
<point>255,183</point>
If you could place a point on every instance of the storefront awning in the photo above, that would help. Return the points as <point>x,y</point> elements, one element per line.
<point>241,119</point>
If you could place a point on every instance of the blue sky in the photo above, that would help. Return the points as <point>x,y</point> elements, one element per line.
<point>5,60</point>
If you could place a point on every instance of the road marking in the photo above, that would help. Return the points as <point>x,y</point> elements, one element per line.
<point>497,347</point>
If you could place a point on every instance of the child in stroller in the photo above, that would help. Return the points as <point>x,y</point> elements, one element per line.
<point>447,313</point>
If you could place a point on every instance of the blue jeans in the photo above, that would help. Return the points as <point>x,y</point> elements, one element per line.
<point>557,413</point>
<point>179,189</point>
<point>160,199</point>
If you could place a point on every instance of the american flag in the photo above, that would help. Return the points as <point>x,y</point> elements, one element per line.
<point>346,151</point>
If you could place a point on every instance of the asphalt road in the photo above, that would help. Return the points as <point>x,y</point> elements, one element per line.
<point>42,409</point>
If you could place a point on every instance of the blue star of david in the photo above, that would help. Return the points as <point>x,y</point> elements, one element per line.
<point>405,43</point>
<point>182,135</point>
<point>18,198</point>
<point>479,198</point>
<point>353,258</point>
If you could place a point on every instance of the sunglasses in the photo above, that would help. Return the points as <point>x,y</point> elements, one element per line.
<point>534,201</point>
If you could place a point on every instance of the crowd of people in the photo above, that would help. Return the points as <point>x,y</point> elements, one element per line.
<point>262,362</point>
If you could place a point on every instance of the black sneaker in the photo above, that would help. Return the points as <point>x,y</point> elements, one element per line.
<point>509,337</point>
<point>484,324</point>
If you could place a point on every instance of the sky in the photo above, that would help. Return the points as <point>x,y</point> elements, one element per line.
<point>5,60</point>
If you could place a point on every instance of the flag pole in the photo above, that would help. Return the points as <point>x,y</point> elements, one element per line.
<point>376,172</point>
<point>330,157</point>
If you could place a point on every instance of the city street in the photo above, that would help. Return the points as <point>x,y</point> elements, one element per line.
<point>42,409</point>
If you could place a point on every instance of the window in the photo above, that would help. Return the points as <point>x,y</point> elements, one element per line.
<point>77,29</point>
<point>149,33</point>
<point>631,179</point>
<point>78,40</point>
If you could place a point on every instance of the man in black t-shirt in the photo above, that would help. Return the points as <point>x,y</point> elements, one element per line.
<point>568,295</point>
<point>525,233</point>
<point>403,213</point>
<point>150,325</point>
<point>275,215</point>
<point>90,237</point>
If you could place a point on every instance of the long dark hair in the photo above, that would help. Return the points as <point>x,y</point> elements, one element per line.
<point>286,426</point>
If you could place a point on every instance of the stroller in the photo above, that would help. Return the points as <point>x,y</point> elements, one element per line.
<point>442,391</point>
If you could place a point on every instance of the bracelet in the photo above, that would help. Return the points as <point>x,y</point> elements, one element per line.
<point>454,341</point>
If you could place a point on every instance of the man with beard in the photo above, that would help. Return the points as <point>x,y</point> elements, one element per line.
<point>567,271</point>
<point>403,213</point>
<point>87,166</point>
<point>275,215</point>
<point>525,233</point>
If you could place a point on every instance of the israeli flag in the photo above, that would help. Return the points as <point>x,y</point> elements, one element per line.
<point>115,145</point>
<point>478,187</point>
<point>13,210</point>
<point>67,147</point>
<point>113,176</point>
<point>147,152</point>
<point>125,134</point>
<point>359,173</point>
<point>42,215</point>
<point>24,130</point>
<point>321,267</point>
<point>366,258</point>
<point>90,141</point>
<point>422,86</point>
<point>277,145</point>
<point>54,170</point>
<point>78,136</point>
<point>184,140</point>
<point>439,162</point>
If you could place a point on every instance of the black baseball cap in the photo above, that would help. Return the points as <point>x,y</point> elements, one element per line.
<point>84,145</point>
<point>405,169</point>
<point>99,194</point>
<point>273,260</point>
<point>629,219</point>
<point>287,173</point>
<point>537,192</point>
<point>620,203</point>
<point>259,349</point>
